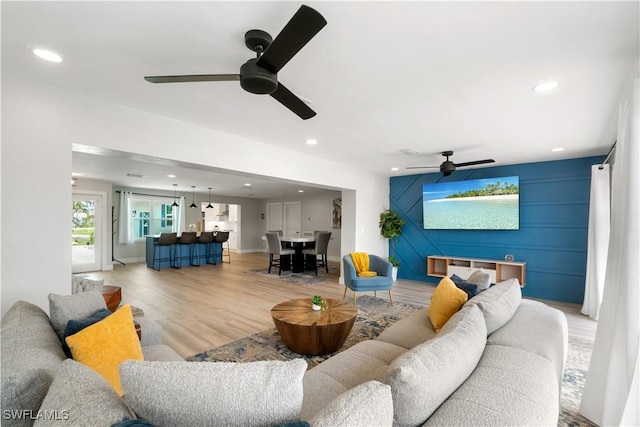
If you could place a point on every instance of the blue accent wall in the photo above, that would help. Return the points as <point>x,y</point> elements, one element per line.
<point>552,239</point>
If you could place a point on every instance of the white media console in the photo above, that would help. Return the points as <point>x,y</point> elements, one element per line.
<point>441,266</point>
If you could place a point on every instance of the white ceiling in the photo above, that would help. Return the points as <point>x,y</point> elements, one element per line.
<point>383,76</point>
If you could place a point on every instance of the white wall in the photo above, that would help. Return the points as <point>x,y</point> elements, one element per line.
<point>39,124</point>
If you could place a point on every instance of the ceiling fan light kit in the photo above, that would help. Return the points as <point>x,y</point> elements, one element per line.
<point>447,167</point>
<point>260,75</point>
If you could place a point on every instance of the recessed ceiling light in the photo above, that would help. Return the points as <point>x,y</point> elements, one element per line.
<point>247,185</point>
<point>557,149</point>
<point>311,141</point>
<point>171,176</point>
<point>47,55</point>
<point>545,86</point>
<point>76,174</point>
<point>395,168</point>
<point>300,191</point>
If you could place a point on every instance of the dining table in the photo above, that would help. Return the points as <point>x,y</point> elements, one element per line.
<point>298,243</point>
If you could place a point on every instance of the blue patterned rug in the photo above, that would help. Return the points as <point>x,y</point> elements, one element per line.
<point>307,278</point>
<point>374,315</point>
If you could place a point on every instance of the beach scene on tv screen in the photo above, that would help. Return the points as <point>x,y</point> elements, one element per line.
<point>479,204</point>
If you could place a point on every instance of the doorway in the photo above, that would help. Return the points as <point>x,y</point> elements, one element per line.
<point>86,233</point>
<point>291,218</point>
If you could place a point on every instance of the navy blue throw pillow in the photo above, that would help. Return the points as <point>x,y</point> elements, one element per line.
<point>470,289</point>
<point>76,325</point>
<point>128,422</point>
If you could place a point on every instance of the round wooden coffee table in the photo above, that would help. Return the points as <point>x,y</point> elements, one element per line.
<point>310,332</point>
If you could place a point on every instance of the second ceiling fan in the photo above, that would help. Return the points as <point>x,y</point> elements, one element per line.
<point>448,166</point>
<point>260,75</point>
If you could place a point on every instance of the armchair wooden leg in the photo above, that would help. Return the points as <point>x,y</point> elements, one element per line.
<point>390,297</point>
<point>375,294</point>
<point>345,292</point>
<point>355,298</point>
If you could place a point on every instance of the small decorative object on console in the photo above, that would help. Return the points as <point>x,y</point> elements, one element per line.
<point>509,257</point>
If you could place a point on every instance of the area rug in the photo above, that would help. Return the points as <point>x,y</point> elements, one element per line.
<point>374,315</point>
<point>307,278</point>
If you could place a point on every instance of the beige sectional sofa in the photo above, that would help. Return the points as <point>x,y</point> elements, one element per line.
<point>498,361</point>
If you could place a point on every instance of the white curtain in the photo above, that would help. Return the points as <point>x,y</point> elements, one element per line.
<point>598,244</point>
<point>124,218</point>
<point>180,222</point>
<point>611,396</point>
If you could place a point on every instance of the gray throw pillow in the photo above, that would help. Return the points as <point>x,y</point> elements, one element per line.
<point>424,377</point>
<point>480,278</point>
<point>214,393</point>
<point>367,404</point>
<point>498,303</point>
<point>79,396</point>
<point>63,308</point>
<point>83,284</point>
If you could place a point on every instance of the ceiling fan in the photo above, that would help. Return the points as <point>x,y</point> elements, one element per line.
<point>448,166</point>
<point>260,75</point>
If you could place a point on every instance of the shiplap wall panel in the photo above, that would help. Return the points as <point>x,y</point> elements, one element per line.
<point>552,239</point>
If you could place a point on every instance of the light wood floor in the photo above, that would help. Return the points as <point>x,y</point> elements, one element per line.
<point>200,308</point>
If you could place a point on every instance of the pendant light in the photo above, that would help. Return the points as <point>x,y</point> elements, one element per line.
<point>193,194</point>
<point>174,204</point>
<point>209,206</point>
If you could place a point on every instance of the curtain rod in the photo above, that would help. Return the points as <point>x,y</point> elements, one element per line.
<point>613,147</point>
<point>146,194</point>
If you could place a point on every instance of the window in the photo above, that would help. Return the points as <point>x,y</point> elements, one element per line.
<point>150,216</point>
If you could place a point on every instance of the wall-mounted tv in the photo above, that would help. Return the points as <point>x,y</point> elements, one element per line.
<point>479,204</point>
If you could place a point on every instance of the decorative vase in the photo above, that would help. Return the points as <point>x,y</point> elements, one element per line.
<point>315,307</point>
<point>394,273</point>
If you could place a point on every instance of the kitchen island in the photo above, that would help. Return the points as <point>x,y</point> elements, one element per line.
<point>182,253</point>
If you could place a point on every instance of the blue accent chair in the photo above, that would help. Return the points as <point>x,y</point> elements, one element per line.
<point>382,282</point>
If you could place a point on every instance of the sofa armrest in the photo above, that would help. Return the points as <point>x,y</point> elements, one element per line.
<point>150,331</point>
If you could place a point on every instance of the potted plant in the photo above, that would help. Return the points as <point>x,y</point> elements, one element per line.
<point>391,228</point>
<point>317,302</point>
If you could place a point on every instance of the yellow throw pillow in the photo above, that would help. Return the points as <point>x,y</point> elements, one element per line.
<point>104,345</point>
<point>445,302</point>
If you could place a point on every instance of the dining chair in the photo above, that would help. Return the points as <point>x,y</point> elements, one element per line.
<point>319,249</point>
<point>274,246</point>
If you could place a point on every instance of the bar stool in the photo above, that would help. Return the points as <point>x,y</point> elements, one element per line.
<point>221,237</point>
<point>188,238</point>
<point>169,241</point>
<point>206,238</point>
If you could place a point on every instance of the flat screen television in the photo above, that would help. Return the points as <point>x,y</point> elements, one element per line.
<point>479,204</point>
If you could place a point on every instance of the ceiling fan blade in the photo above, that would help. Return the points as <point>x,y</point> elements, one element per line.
<point>476,162</point>
<point>292,102</point>
<point>422,167</point>
<point>301,28</point>
<point>193,78</point>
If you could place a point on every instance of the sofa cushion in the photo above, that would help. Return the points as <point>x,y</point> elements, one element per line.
<point>104,345</point>
<point>480,278</point>
<point>31,353</point>
<point>63,308</point>
<point>445,302</point>
<point>214,393</point>
<point>367,404</point>
<point>76,325</point>
<point>425,376</point>
<point>409,331</point>
<point>509,387</point>
<point>365,361</point>
<point>160,353</point>
<point>469,288</point>
<point>498,303</point>
<point>79,396</point>
<point>84,284</point>
<point>537,328</point>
